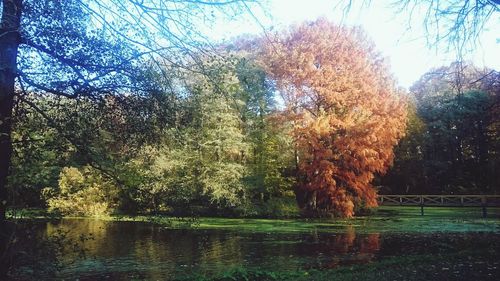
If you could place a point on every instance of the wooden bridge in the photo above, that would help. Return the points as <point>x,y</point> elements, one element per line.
<point>483,201</point>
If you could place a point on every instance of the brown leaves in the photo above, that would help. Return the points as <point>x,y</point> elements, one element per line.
<point>346,113</point>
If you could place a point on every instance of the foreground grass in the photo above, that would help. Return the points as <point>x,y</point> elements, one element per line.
<point>392,219</point>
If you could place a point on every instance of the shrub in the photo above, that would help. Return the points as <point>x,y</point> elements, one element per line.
<point>82,191</point>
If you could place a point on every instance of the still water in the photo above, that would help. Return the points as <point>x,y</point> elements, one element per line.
<point>136,250</point>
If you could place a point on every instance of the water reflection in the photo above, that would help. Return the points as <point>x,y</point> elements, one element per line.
<point>135,249</point>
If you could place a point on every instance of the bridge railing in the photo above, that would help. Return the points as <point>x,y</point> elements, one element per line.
<point>439,200</point>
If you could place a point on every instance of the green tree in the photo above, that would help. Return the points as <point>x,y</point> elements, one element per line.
<point>104,134</point>
<point>271,148</point>
<point>226,150</point>
<point>38,156</point>
<point>201,159</point>
<point>87,48</point>
<point>451,146</point>
<point>218,138</point>
<point>407,176</point>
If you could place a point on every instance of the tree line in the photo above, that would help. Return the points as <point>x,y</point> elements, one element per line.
<point>309,117</point>
<point>451,146</point>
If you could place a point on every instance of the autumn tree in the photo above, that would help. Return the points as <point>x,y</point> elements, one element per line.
<point>346,111</point>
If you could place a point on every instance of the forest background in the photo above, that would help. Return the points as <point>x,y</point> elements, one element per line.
<point>220,137</point>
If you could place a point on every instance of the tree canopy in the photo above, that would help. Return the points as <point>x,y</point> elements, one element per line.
<point>452,140</point>
<point>346,112</point>
<point>81,48</point>
<point>104,107</point>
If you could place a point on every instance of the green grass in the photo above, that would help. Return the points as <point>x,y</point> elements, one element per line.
<point>386,219</point>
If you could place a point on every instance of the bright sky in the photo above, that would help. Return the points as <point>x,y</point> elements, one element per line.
<point>408,53</point>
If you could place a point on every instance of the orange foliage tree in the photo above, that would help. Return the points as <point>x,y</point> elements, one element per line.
<point>346,111</point>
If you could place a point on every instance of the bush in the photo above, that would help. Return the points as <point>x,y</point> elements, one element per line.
<point>82,192</point>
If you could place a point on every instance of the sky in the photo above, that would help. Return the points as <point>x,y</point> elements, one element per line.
<point>407,50</point>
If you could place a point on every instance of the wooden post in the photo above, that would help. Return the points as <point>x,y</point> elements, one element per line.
<point>421,205</point>
<point>483,205</point>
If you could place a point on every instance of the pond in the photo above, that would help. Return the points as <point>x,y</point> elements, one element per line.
<point>139,250</point>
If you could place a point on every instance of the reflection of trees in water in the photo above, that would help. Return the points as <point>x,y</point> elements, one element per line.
<point>134,250</point>
<point>220,250</point>
<point>160,252</point>
<point>92,233</point>
<point>336,249</point>
<point>166,250</point>
<point>181,250</point>
<point>28,252</point>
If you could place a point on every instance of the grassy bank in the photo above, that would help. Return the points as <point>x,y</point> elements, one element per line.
<point>391,219</point>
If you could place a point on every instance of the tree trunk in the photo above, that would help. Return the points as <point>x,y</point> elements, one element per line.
<point>9,44</point>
